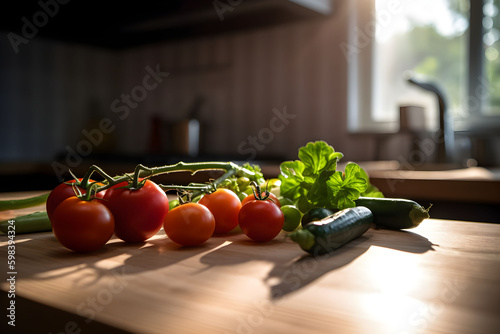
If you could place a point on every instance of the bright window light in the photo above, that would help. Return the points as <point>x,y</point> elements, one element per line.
<point>427,37</point>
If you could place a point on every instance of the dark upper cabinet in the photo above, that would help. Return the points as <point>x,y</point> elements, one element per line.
<point>123,24</point>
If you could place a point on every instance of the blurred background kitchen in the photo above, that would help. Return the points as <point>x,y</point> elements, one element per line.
<point>409,89</point>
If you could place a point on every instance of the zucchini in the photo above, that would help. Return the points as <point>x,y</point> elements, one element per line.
<point>394,213</point>
<point>323,236</point>
<point>34,222</point>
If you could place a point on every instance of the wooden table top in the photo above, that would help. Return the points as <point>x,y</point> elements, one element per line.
<point>441,277</point>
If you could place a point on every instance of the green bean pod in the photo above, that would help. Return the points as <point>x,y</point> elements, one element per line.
<point>32,223</point>
<point>15,204</point>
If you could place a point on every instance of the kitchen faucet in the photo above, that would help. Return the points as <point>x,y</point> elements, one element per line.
<point>445,137</point>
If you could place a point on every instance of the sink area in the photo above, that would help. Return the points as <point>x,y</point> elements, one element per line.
<point>397,165</point>
<point>455,192</point>
<point>442,171</point>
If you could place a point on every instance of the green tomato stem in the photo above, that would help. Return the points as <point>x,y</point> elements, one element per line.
<point>142,171</point>
<point>257,192</point>
<point>84,183</point>
<point>200,188</point>
<point>194,167</point>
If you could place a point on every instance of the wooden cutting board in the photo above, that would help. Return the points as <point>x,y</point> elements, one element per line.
<point>442,277</point>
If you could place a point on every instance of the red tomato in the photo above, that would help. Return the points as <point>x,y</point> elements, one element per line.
<point>272,197</point>
<point>261,220</point>
<point>61,192</point>
<point>138,213</point>
<point>189,224</point>
<point>225,206</point>
<point>82,226</point>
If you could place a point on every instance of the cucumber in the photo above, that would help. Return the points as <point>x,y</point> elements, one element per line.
<point>394,213</point>
<point>315,214</point>
<point>323,236</point>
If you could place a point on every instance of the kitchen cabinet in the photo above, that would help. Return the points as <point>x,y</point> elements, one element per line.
<point>126,24</point>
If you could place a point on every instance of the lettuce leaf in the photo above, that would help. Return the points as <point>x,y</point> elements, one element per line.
<point>317,157</point>
<point>345,188</point>
<point>313,181</point>
<point>293,182</point>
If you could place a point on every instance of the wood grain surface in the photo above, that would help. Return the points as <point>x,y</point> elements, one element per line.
<point>441,277</point>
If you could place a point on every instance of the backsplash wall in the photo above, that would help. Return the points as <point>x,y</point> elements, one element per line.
<point>48,92</point>
<point>297,70</point>
<point>266,91</point>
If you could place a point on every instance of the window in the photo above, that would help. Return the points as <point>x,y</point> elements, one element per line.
<point>452,43</point>
<point>490,22</point>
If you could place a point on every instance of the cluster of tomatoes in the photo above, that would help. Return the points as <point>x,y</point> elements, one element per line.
<point>135,215</point>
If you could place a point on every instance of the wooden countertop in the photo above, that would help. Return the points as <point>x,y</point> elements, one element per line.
<point>441,277</point>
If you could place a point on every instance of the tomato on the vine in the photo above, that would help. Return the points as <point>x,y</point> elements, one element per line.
<point>82,226</point>
<point>138,213</point>
<point>261,220</point>
<point>225,206</point>
<point>63,191</point>
<point>272,198</point>
<point>189,224</point>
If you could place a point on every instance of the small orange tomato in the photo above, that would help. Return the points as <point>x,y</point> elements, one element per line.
<point>189,224</point>
<point>225,206</point>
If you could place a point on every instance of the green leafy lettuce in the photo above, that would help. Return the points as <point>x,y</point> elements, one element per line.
<point>313,180</point>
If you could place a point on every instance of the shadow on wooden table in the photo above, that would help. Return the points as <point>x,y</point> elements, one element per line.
<point>306,269</point>
<point>293,269</point>
<point>47,259</point>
